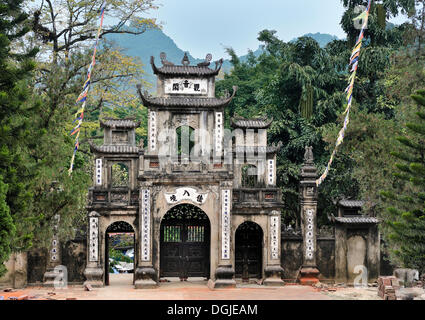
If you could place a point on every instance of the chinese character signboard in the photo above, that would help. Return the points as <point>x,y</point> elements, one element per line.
<point>94,239</point>
<point>146,225</point>
<point>225,224</point>
<point>98,172</point>
<point>186,86</point>
<point>274,237</point>
<point>218,132</point>
<point>270,172</point>
<point>186,193</point>
<point>152,130</point>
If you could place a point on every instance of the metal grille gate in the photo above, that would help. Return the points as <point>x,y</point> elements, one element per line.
<point>248,251</point>
<point>185,246</point>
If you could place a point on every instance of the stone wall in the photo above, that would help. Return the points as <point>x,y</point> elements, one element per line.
<point>73,257</point>
<point>386,269</point>
<point>37,261</point>
<point>30,267</point>
<point>292,257</point>
<point>16,276</point>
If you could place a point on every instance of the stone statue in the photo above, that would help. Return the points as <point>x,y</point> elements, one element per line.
<point>308,155</point>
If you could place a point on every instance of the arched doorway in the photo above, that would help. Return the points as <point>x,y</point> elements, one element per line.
<point>119,252</point>
<point>248,251</point>
<point>185,243</point>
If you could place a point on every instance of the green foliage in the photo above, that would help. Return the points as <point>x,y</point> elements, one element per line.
<point>117,256</point>
<point>405,217</point>
<point>300,84</point>
<point>15,126</point>
<point>7,227</point>
<point>37,106</point>
<point>120,176</point>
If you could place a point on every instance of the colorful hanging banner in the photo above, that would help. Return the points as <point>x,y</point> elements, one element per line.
<point>79,116</point>
<point>354,63</point>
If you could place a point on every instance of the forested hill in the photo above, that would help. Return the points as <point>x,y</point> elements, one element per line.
<point>154,41</point>
<point>322,38</point>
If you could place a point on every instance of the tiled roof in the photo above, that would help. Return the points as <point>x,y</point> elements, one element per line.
<point>119,123</point>
<point>351,203</point>
<point>172,70</point>
<point>251,123</point>
<point>356,219</point>
<point>114,148</point>
<point>185,101</point>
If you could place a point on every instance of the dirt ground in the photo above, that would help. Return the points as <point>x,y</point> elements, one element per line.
<point>121,288</point>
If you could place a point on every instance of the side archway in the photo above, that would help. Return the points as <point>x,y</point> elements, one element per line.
<point>120,249</point>
<point>248,251</point>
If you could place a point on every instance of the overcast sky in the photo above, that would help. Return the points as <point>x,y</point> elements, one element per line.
<point>201,26</point>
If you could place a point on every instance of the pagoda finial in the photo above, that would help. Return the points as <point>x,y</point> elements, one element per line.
<point>185,60</point>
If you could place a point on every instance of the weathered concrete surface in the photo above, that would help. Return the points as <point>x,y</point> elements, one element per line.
<point>121,289</point>
<point>16,275</point>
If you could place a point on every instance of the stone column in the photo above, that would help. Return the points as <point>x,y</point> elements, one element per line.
<point>145,274</point>
<point>341,274</point>
<point>94,270</point>
<point>225,272</point>
<point>273,270</point>
<point>309,273</point>
<point>54,274</point>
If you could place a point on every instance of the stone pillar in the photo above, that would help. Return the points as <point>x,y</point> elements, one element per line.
<point>340,253</point>
<point>145,273</point>
<point>54,274</point>
<point>309,273</point>
<point>225,272</point>
<point>94,270</point>
<point>374,253</point>
<point>273,270</point>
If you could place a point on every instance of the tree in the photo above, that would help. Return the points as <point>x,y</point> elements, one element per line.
<point>302,86</point>
<point>15,116</point>
<point>377,116</point>
<point>278,82</point>
<point>64,30</point>
<point>404,220</point>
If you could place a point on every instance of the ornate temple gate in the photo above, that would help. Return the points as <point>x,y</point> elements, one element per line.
<point>185,243</point>
<point>248,251</point>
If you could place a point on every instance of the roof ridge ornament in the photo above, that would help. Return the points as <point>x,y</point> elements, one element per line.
<point>218,64</point>
<point>185,60</point>
<point>164,60</point>
<point>207,61</point>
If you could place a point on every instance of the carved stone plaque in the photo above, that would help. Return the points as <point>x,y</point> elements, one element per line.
<point>119,137</point>
<point>309,234</point>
